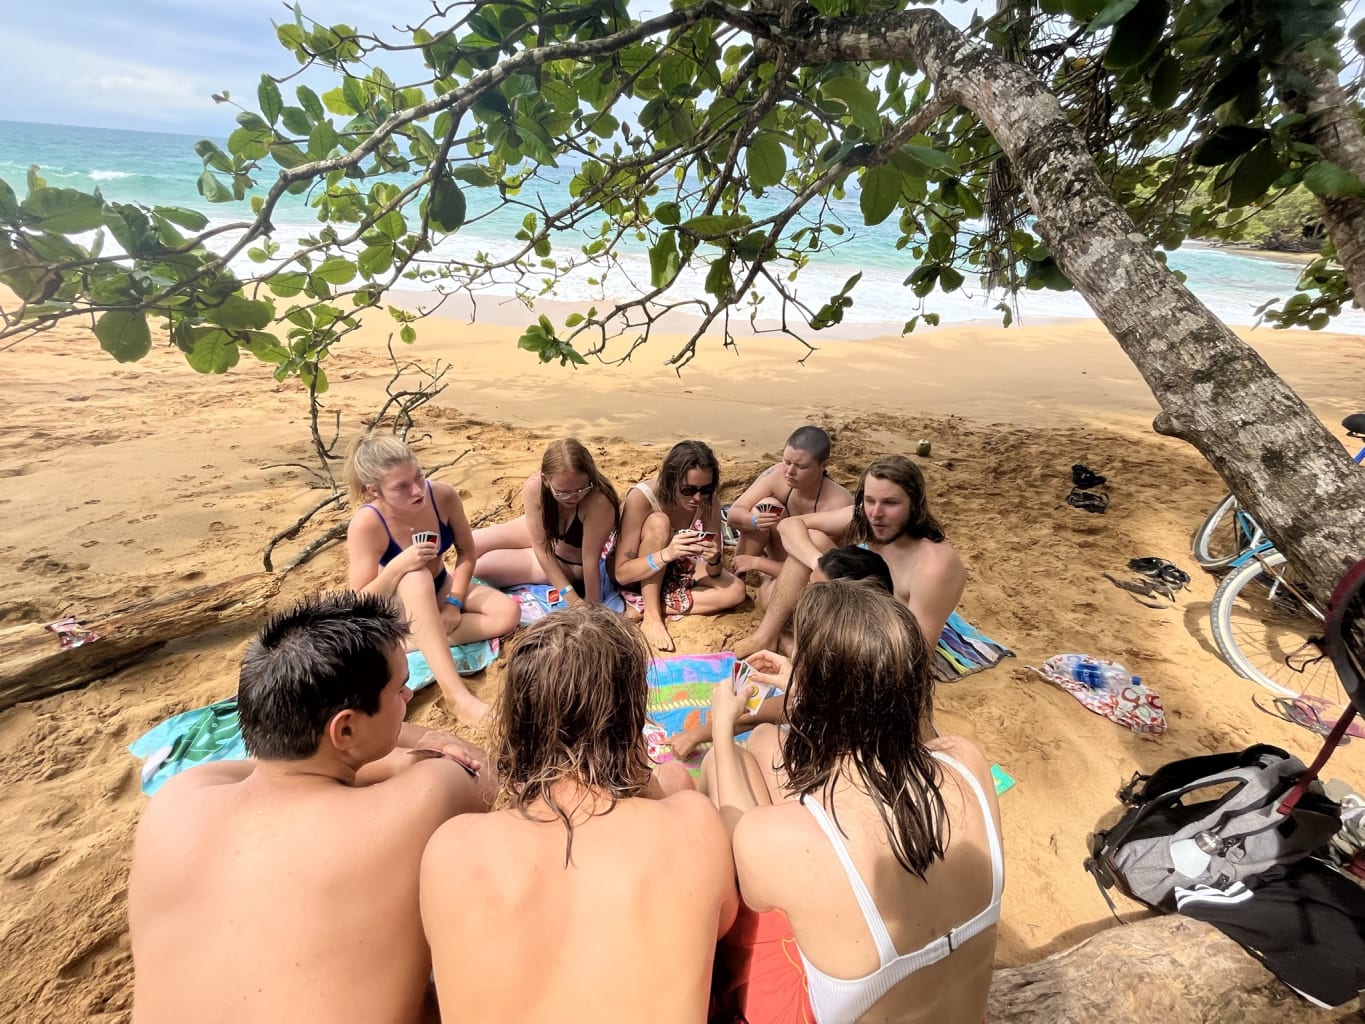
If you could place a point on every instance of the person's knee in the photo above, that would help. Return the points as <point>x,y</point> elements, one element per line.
<point>656,531</point>
<point>504,613</point>
<point>673,777</point>
<point>733,593</point>
<point>415,588</point>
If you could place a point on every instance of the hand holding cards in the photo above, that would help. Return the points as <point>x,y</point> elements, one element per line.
<point>424,537</point>
<point>755,693</point>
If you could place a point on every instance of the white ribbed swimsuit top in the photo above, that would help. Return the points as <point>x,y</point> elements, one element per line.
<point>844,1000</point>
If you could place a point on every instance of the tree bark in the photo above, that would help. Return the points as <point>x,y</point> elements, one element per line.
<point>1171,969</point>
<point>33,663</point>
<point>1215,392</point>
<point>1334,127</point>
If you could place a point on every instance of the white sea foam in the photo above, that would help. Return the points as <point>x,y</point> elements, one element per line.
<point>98,175</point>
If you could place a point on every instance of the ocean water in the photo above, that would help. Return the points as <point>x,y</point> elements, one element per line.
<point>156,168</point>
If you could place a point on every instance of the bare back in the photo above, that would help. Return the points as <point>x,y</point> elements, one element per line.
<point>786,862</point>
<point>265,899</point>
<point>626,932</point>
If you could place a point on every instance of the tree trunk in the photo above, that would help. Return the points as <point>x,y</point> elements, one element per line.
<point>33,663</point>
<point>1215,392</point>
<point>1334,127</point>
<point>1171,969</point>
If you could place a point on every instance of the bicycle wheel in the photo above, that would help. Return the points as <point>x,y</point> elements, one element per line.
<point>1222,537</point>
<point>1269,628</point>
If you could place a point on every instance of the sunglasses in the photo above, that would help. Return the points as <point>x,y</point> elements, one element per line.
<point>566,495</point>
<point>691,490</point>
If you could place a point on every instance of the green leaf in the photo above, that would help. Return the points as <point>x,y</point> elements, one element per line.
<point>719,280</point>
<point>212,189</point>
<point>1111,14</point>
<point>767,160</point>
<point>668,214</point>
<point>663,260</point>
<point>949,279</point>
<point>1137,36</point>
<point>288,284</point>
<point>445,206</point>
<point>213,156</point>
<point>296,121</point>
<point>334,270</point>
<point>353,94</point>
<point>238,313</point>
<point>268,95</point>
<point>191,219</point>
<point>63,210</point>
<point>1325,178</point>
<point>934,159</point>
<point>1166,82</point>
<point>1254,174</point>
<point>1226,144</point>
<point>407,334</point>
<point>213,352</point>
<point>715,225</point>
<point>124,335</point>
<point>859,99</point>
<point>375,260</point>
<point>9,203</point>
<point>881,191</point>
<point>310,102</point>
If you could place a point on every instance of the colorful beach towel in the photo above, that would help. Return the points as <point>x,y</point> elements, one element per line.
<point>213,732</point>
<point>964,649</point>
<point>535,604</point>
<point>680,697</point>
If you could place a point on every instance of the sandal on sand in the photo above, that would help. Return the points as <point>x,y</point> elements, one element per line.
<point>1085,478</point>
<point>1297,712</point>
<point>1160,569</point>
<point>1091,501</point>
<point>1151,590</point>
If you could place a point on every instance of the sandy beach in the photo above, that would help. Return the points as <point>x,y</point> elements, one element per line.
<point>122,484</point>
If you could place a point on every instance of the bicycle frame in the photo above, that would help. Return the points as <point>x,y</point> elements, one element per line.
<point>1280,581</point>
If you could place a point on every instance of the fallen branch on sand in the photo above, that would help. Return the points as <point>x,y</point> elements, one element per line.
<point>33,664</point>
<point>1171,969</point>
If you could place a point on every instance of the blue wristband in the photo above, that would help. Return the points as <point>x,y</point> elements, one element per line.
<point>451,599</point>
<point>754,520</point>
<point>650,559</point>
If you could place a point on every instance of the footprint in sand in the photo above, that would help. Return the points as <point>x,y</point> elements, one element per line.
<point>29,863</point>
<point>90,544</point>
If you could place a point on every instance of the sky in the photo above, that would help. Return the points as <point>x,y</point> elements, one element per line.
<point>152,65</point>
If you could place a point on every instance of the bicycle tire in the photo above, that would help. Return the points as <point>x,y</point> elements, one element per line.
<point>1218,542</point>
<point>1271,634</point>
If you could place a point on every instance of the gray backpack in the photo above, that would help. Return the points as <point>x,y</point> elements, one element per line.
<point>1209,820</point>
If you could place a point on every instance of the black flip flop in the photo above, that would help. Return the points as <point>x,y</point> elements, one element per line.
<point>1085,478</point>
<point>1160,569</point>
<point>1091,501</point>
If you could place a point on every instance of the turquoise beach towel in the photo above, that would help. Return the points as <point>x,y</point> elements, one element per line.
<point>963,649</point>
<point>213,733</point>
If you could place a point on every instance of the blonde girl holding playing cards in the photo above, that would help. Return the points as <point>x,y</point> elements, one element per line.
<point>397,543</point>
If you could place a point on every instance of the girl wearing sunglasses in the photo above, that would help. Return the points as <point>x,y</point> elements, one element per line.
<point>666,565</point>
<point>571,509</point>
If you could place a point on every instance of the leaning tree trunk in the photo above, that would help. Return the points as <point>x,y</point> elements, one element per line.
<point>1334,127</point>
<point>1215,392</point>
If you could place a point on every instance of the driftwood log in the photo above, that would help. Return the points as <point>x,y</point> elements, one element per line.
<point>33,663</point>
<point>1160,970</point>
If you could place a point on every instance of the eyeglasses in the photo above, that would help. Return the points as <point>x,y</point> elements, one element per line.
<point>690,490</point>
<point>567,495</point>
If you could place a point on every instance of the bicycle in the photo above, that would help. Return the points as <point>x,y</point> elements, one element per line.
<point>1270,627</point>
<point>1230,532</point>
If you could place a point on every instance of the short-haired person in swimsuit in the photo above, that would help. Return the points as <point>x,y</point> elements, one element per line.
<point>396,543</point>
<point>571,510</point>
<point>796,486</point>
<point>878,842</point>
<point>665,567</point>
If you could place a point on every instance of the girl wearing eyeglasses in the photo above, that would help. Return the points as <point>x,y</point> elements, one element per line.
<point>571,509</point>
<point>665,565</point>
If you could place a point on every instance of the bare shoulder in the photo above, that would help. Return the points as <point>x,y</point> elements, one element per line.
<point>530,492</point>
<point>969,756</point>
<point>427,793</point>
<point>836,494</point>
<point>943,557</point>
<point>446,496</point>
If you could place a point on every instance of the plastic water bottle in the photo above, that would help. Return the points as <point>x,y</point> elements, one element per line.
<point>1098,675</point>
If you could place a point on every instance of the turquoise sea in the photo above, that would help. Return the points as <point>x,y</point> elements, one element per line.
<point>157,168</point>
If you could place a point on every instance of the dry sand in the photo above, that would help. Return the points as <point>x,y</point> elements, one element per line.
<point>127,483</point>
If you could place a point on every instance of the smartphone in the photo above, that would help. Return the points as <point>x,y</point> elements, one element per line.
<point>424,537</point>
